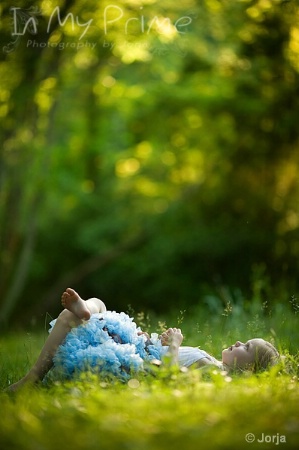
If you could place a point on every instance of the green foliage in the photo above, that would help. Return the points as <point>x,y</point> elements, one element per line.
<point>154,165</point>
<point>183,411</point>
<point>167,407</point>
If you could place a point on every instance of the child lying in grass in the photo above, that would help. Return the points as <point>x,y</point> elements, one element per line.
<point>86,335</point>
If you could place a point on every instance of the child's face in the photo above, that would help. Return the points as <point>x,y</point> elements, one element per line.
<point>242,355</point>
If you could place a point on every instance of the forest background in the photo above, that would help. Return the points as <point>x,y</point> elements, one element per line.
<point>149,153</point>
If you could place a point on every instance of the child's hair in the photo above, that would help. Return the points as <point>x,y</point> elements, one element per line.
<point>266,356</point>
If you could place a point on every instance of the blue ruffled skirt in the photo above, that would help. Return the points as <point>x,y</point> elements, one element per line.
<point>108,343</point>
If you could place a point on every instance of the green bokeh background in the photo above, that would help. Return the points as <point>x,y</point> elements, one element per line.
<point>149,153</point>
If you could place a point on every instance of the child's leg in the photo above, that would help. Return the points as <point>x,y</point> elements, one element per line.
<point>66,320</point>
<point>81,308</point>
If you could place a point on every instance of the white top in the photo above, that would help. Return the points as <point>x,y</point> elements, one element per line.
<point>190,355</point>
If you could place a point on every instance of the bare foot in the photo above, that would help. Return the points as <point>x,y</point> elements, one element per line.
<point>25,381</point>
<point>74,303</point>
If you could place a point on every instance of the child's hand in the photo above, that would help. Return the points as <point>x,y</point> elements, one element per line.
<point>172,336</point>
<point>140,333</point>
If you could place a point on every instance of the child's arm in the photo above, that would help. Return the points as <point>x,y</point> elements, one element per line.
<point>206,362</point>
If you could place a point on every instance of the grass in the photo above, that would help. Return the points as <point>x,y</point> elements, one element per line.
<point>168,409</point>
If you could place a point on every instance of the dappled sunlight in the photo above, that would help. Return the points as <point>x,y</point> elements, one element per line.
<point>56,37</point>
<point>166,30</point>
<point>44,96</point>
<point>170,77</point>
<point>168,158</point>
<point>256,12</point>
<point>130,52</point>
<point>147,187</point>
<point>287,177</point>
<point>85,58</point>
<point>108,81</point>
<point>289,223</point>
<point>178,140</point>
<point>144,149</point>
<point>194,118</point>
<point>293,50</point>
<point>3,110</point>
<point>127,167</point>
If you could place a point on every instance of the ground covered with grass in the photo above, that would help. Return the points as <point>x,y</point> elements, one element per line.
<point>166,408</point>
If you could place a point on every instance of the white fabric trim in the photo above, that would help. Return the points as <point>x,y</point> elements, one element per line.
<point>190,355</point>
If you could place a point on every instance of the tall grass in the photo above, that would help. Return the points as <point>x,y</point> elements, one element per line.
<point>167,408</point>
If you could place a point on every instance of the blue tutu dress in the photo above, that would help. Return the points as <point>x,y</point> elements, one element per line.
<point>108,343</point>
